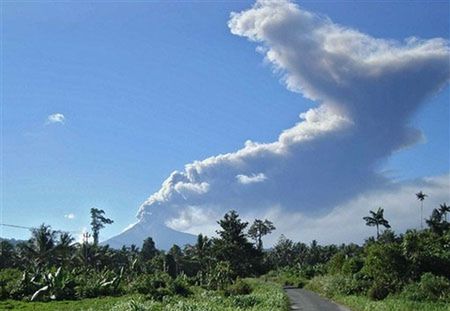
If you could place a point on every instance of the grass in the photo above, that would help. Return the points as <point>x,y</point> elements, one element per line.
<point>327,287</point>
<point>265,297</point>
<point>361,303</point>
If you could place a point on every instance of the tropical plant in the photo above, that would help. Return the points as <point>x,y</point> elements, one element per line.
<point>421,197</point>
<point>55,286</point>
<point>258,229</point>
<point>98,222</point>
<point>41,246</point>
<point>377,220</point>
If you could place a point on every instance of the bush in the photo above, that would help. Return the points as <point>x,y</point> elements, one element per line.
<point>386,267</point>
<point>96,284</point>
<point>430,288</point>
<point>288,276</point>
<point>180,287</point>
<point>378,291</point>
<point>9,278</point>
<point>156,286</point>
<point>332,285</point>
<point>352,265</point>
<point>245,302</point>
<point>240,287</point>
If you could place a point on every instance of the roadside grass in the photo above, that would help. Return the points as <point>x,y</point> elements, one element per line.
<point>327,286</point>
<point>361,303</point>
<point>264,297</point>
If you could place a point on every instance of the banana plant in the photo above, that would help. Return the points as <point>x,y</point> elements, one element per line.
<point>115,282</point>
<point>58,285</point>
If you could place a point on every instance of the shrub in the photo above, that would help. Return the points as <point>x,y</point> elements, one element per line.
<point>94,284</point>
<point>9,278</point>
<point>156,286</point>
<point>352,265</point>
<point>386,266</point>
<point>378,291</point>
<point>240,287</point>
<point>245,302</point>
<point>180,287</point>
<point>430,288</point>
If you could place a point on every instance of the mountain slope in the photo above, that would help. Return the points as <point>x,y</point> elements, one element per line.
<point>163,236</point>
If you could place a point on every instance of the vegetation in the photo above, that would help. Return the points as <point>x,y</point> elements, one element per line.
<point>410,271</point>
<point>264,297</point>
<point>377,220</point>
<point>51,267</point>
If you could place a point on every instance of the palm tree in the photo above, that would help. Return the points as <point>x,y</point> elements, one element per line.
<point>421,197</point>
<point>444,209</point>
<point>377,219</point>
<point>64,248</point>
<point>41,246</point>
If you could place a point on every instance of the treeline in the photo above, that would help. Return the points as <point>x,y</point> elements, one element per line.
<point>414,266</point>
<point>51,266</point>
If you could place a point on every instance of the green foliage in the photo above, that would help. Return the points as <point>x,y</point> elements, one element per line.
<point>98,222</point>
<point>259,229</point>
<point>391,303</point>
<point>377,220</point>
<point>233,247</point>
<point>385,264</point>
<point>288,276</point>
<point>9,278</point>
<point>331,285</point>
<point>55,286</point>
<point>239,287</point>
<point>379,290</point>
<point>180,287</point>
<point>430,288</point>
<point>153,286</point>
<point>149,250</point>
<point>220,276</point>
<point>94,284</point>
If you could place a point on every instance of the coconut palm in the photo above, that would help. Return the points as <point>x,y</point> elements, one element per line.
<point>64,248</point>
<point>41,246</point>
<point>377,220</point>
<point>421,197</point>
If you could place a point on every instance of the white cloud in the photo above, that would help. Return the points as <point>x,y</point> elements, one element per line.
<point>245,179</point>
<point>345,224</point>
<point>56,118</point>
<point>367,90</point>
<point>70,216</point>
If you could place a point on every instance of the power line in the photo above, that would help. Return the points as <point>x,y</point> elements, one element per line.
<point>32,228</point>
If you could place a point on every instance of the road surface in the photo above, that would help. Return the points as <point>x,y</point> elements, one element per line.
<point>305,300</point>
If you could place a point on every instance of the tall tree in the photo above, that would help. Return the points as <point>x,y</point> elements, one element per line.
<point>377,219</point>
<point>148,249</point>
<point>232,228</point>
<point>233,246</point>
<point>98,222</point>
<point>259,229</point>
<point>41,245</point>
<point>421,197</point>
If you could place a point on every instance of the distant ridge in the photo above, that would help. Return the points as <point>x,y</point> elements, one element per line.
<point>12,241</point>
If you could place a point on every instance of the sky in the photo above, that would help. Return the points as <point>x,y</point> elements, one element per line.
<point>103,101</point>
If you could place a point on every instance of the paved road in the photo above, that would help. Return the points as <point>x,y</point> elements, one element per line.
<point>305,300</point>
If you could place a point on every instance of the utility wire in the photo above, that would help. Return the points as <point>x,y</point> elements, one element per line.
<point>32,228</point>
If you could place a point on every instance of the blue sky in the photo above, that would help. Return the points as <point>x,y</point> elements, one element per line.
<point>146,87</point>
